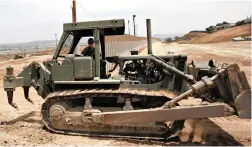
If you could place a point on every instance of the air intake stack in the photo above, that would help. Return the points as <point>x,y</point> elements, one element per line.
<point>149,36</point>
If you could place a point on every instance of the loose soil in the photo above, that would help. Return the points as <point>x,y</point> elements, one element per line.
<point>214,131</point>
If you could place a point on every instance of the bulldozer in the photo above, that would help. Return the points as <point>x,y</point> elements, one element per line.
<point>144,100</point>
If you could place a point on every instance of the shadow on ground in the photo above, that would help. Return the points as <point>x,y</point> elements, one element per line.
<point>206,133</point>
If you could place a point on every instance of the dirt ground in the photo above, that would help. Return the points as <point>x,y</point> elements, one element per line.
<point>215,131</point>
<point>225,52</point>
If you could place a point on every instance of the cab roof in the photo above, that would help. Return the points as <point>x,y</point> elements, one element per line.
<point>110,27</point>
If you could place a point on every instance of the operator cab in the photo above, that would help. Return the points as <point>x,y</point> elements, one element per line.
<point>78,67</point>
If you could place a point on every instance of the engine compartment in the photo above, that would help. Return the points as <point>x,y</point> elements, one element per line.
<point>144,71</point>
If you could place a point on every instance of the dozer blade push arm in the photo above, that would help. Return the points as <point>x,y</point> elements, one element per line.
<point>169,111</point>
<point>204,83</point>
<point>163,115</point>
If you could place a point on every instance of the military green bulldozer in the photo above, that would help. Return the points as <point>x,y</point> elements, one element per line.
<point>144,100</point>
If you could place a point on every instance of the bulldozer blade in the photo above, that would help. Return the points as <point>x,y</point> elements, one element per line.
<point>240,90</point>
<point>237,80</point>
<point>243,104</point>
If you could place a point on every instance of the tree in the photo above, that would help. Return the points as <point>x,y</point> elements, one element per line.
<point>224,22</point>
<point>176,38</point>
<point>168,39</point>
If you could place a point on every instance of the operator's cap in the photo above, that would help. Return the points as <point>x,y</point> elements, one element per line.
<point>90,40</point>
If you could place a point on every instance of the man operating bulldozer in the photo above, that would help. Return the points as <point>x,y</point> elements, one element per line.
<point>90,50</point>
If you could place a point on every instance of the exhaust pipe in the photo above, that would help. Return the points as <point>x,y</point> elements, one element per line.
<point>74,12</point>
<point>149,36</point>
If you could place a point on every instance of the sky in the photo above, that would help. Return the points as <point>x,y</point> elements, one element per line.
<point>29,20</point>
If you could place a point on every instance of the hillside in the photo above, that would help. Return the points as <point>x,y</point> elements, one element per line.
<point>219,36</point>
<point>32,44</point>
<point>193,34</point>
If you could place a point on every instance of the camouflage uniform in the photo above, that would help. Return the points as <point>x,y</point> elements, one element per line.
<point>88,51</point>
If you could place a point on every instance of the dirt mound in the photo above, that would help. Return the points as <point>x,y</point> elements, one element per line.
<point>219,36</point>
<point>192,35</point>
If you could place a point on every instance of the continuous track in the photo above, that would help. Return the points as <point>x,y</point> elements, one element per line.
<point>153,132</point>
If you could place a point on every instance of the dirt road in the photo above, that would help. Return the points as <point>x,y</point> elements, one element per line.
<point>217,131</point>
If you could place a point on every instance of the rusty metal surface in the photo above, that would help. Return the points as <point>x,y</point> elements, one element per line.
<point>235,82</point>
<point>243,104</point>
<point>244,80</point>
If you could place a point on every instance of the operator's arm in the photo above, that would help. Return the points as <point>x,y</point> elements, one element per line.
<point>85,52</point>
